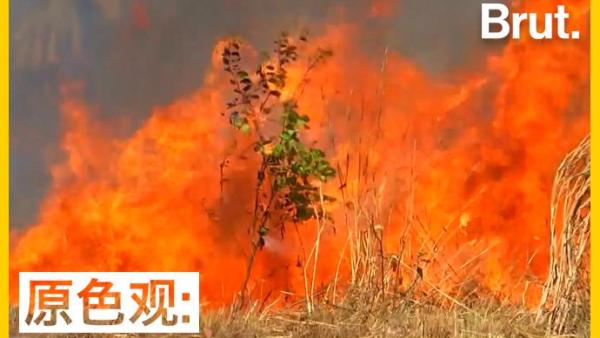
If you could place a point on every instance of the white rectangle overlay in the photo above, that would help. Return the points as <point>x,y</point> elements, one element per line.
<point>109,302</point>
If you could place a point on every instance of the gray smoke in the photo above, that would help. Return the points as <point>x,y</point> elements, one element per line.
<point>134,54</point>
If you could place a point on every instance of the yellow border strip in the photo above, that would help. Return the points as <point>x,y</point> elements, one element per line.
<point>595,147</point>
<point>4,144</point>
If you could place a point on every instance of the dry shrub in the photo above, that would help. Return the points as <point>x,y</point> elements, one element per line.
<point>566,295</point>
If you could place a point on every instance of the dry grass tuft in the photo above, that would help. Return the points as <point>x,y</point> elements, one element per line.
<point>566,296</point>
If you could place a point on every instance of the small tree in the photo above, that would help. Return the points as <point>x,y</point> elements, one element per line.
<point>289,171</point>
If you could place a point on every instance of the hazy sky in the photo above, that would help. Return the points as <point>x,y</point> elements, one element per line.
<point>135,54</point>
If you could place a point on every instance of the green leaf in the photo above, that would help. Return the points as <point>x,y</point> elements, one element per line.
<point>298,198</point>
<point>277,151</point>
<point>280,183</point>
<point>304,213</point>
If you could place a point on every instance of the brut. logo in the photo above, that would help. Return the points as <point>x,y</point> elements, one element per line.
<point>495,23</point>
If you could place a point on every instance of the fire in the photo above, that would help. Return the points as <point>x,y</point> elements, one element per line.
<point>468,164</point>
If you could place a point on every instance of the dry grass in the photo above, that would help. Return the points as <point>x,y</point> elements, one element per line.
<point>411,319</point>
<point>353,318</point>
<point>387,295</point>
